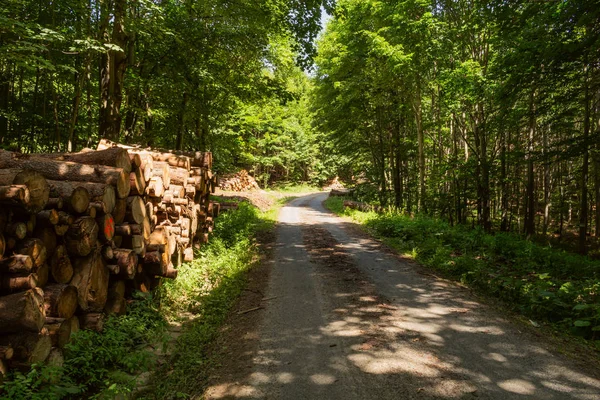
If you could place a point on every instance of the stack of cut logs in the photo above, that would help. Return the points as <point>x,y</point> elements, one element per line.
<point>238,182</point>
<point>79,232</point>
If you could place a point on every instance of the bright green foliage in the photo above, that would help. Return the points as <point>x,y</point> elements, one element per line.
<point>541,282</point>
<point>170,72</point>
<point>208,288</point>
<point>475,111</point>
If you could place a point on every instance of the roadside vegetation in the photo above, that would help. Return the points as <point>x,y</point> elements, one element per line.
<point>544,283</point>
<point>122,358</point>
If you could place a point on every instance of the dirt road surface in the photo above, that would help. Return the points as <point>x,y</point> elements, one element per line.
<point>343,318</point>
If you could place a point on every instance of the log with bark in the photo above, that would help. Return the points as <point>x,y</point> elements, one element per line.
<point>90,276</point>
<point>32,347</point>
<point>68,171</point>
<point>60,300</point>
<point>112,157</point>
<point>60,265</point>
<point>22,311</point>
<point>82,236</point>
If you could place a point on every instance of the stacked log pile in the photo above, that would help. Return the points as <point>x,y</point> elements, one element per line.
<point>80,232</point>
<point>239,182</point>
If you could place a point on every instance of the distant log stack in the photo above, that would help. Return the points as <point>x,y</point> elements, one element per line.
<point>80,232</point>
<point>238,182</point>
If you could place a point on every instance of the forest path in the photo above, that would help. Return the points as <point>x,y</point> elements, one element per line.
<point>345,318</point>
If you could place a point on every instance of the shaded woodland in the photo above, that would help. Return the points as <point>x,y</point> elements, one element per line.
<point>479,112</point>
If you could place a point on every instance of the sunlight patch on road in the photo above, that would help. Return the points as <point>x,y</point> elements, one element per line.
<point>518,386</point>
<point>322,379</point>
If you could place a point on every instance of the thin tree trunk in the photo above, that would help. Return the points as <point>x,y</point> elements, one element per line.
<point>583,212</point>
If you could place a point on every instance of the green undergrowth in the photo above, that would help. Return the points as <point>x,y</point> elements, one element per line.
<point>109,364</point>
<point>542,282</point>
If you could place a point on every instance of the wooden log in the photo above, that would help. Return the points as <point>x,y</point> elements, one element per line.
<point>22,311</point>
<point>156,263</point>
<point>54,203</point>
<point>136,160</point>
<point>34,181</point>
<point>16,264</point>
<point>17,230</point>
<point>3,371</point>
<point>48,216</point>
<point>47,235</point>
<point>99,206</point>
<point>61,230</point>
<point>106,227</point>
<point>136,210</point>
<point>147,167</point>
<point>60,265</point>
<point>171,272</point>
<point>35,249</point>
<point>156,247</point>
<point>188,254</point>
<point>190,191</point>
<point>107,250</point>
<point>14,195</point>
<point>98,192</point>
<point>31,223</point>
<point>112,157</point>
<point>113,269</point>
<point>137,182</point>
<point>116,303</point>
<point>135,243</point>
<point>155,187</point>
<point>179,176</point>
<point>12,284</point>
<point>70,171</point>
<point>92,321</point>
<point>177,256</point>
<point>43,274</point>
<point>32,347</point>
<point>127,261</point>
<point>91,212</point>
<point>196,158</point>
<point>128,229</point>
<point>65,218</point>
<point>82,236</point>
<point>60,300</point>
<point>59,331</point>
<point>161,170</point>
<point>120,211</point>
<point>6,352</point>
<point>91,279</point>
<point>75,196</point>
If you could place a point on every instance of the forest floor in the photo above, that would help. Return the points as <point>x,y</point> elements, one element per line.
<point>333,314</point>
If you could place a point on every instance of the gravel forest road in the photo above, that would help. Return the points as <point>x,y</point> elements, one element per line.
<point>345,318</point>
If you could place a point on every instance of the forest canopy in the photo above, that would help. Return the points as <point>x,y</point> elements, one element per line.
<point>163,73</point>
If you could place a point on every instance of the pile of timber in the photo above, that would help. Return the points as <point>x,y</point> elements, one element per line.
<point>80,232</point>
<point>239,182</point>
